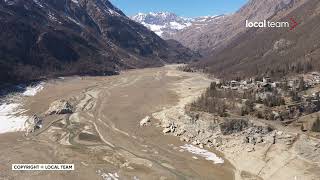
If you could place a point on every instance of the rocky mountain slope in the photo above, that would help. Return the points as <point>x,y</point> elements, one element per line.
<point>167,24</point>
<point>273,51</point>
<point>43,38</point>
<point>218,33</point>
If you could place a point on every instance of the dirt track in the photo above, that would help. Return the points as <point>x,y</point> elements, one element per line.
<point>103,135</point>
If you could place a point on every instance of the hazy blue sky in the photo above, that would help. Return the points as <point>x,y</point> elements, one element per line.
<point>186,8</point>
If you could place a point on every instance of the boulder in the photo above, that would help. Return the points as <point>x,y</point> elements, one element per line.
<point>170,128</point>
<point>59,107</point>
<point>145,121</point>
<point>32,124</point>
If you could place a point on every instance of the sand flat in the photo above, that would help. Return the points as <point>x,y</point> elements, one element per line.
<point>110,108</point>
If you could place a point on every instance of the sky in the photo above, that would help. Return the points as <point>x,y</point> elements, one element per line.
<point>185,8</point>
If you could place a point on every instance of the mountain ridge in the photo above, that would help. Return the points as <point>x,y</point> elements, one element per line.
<point>219,33</point>
<point>45,38</point>
<point>274,52</point>
<point>162,23</point>
<point>167,24</point>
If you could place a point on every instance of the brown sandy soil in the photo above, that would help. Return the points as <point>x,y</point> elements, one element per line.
<point>103,134</point>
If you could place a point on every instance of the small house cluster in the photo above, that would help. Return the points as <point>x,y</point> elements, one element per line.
<point>312,79</point>
<point>267,84</point>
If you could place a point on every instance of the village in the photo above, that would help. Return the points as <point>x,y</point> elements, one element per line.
<point>286,100</point>
<point>310,81</point>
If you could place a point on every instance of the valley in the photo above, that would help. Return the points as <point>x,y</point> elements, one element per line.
<point>164,95</point>
<point>102,134</point>
<point>123,127</point>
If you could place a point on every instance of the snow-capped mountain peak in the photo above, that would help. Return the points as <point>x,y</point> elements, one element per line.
<point>167,24</point>
<point>162,23</point>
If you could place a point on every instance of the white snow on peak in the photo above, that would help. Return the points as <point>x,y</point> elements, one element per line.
<point>166,23</point>
<point>162,22</point>
<point>206,18</point>
<point>178,26</point>
<point>154,28</point>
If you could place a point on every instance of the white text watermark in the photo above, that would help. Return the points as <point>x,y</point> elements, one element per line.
<point>269,24</point>
<point>42,167</point>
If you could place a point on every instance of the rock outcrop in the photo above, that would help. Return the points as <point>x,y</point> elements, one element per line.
<point>32,124</point>
<point>205,129</point>
<point>145,121</point>
<point>59,107</point>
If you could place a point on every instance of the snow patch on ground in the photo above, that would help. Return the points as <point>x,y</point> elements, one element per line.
<point>11,119</point>
<point>38,3</point>
<point>75,1</point>
<point>33,90</point>
<point>203,153</point>
<point>11,114</point>
<point>73,20</point>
